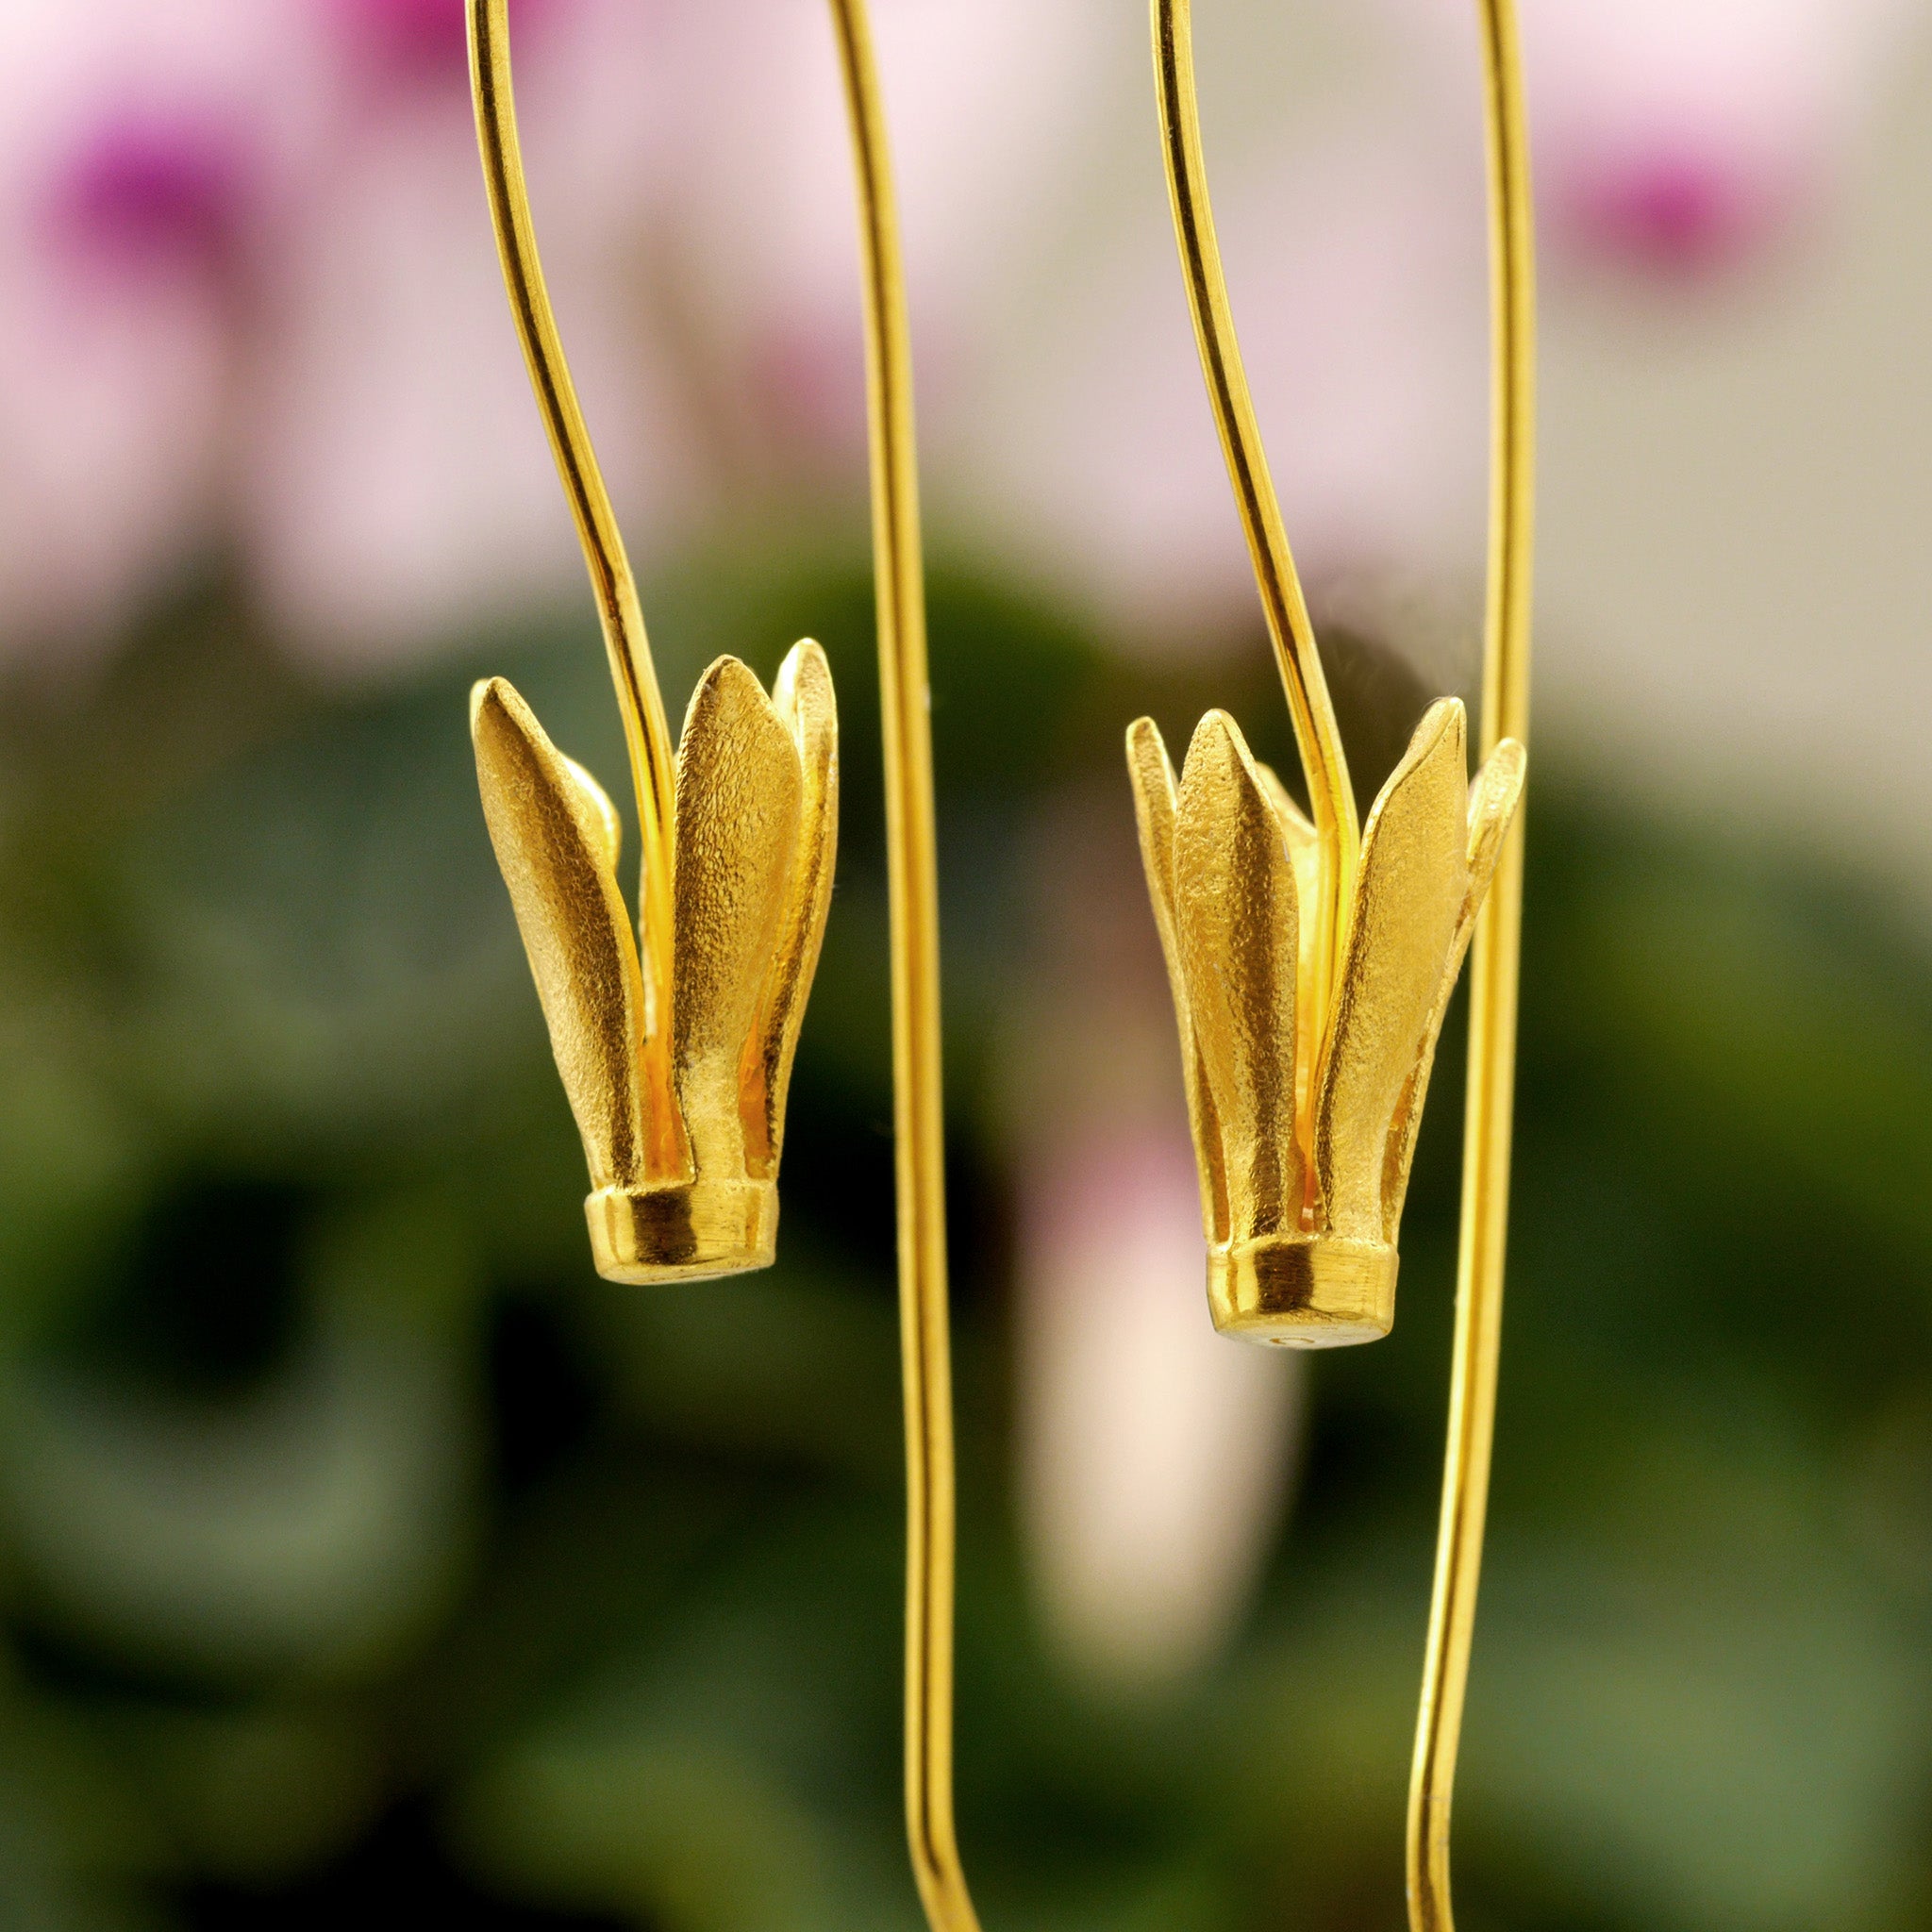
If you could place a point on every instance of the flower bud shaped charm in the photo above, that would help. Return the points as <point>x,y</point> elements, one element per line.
<point>1312,958</point>
<point>1306,1073</point>
<point>675,1046</point>
<point>682,1123</point>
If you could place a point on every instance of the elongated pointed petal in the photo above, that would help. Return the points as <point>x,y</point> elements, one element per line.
<point>1492,802</point>
<point>738,794</point>
<point>1305,855</point>
<point>1236,921</point>
<point>1304,846</point>
<point>802,696</point>
<point>602,817</point>
<point>1408,899</point>
<point>552,828</point>
<point>1151,773</point>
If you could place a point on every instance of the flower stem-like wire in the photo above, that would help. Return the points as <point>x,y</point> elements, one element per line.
<point>1494,971</point>
<point>1331,797</point>
<point>653,767</point>
<point>918,1117</point>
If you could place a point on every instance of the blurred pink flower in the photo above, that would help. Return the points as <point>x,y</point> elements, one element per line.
<point>1683,137</point>
<point>1674,137</point>
<point>398,487</point>
<point>251,296</point>
<point>134,160</point>
<point>247,292</point>
<point>1356,281</point>
<point>1156,1454</point>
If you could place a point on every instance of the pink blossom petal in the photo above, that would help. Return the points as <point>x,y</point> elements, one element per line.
<point>1670,210</point>
<point>141,150</point>
<point>1154,1453</point>
<point>986,105</point>
<point>401,490</point>
<point>147,189</point>
<point>1680,136</point>
<point>1355,274</point>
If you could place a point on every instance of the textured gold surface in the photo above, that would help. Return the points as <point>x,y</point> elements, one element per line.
<point>738,794</point>
<point>667,1216</point>
<point>675,1048</point>
<point>1294,1153</point>
<point>1338,960</point>
<point>1311,960</point>
<point>751,873</point>
<point>557,851</point>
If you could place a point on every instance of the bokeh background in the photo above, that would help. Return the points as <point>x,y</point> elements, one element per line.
<point>362,1557</point>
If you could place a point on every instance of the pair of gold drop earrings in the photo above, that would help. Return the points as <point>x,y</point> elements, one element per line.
<point>1312,958</point>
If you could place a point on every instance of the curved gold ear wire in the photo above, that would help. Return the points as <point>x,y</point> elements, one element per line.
<point>1493,975</point>
<point>569,921</point>
<point>1303,1122</point>
<point>676,1049</point>
<point>1331,797</point>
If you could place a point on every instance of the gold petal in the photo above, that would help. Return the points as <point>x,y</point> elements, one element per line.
<point>739,790</point>
<point>1408,898</point>
<point>1492,802</point>
<point>802,696</point>
<point>555,847</point>
<point>1236,921</point>
<point>1305,855</point>
<point>1151,774</point>
<point>1303,846</point>
<point>603,814</point>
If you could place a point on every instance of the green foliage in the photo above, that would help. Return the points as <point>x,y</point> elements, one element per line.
<point>361,1552</point>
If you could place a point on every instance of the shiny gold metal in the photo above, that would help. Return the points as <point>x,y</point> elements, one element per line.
<point>1310,964</point>
<point>912,875</point>
<point>1488,1103</point>
<point>676,1052</point>
<point>734,903</point>
<point>1303,1122</point>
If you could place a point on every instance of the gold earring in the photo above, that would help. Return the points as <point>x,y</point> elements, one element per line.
<point>1311,964</point>
<point>557,845</point>
<point>1311,959</point>
<point>676,1052</point>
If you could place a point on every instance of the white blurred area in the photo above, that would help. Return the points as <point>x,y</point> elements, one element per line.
<point>1155,1455</point>
<point>1736,602</point>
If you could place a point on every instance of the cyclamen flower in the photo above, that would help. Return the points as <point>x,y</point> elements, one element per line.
<point>1684,139</point>
<point>249,296</point>
<point>1674,140</point>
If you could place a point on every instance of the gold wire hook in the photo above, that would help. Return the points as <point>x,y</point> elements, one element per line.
<point>1297,656</point>
<point>911,850</point>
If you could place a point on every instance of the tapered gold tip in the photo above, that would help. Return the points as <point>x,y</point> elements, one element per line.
<point>688,1231</point>
<point>1303,1291</point>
